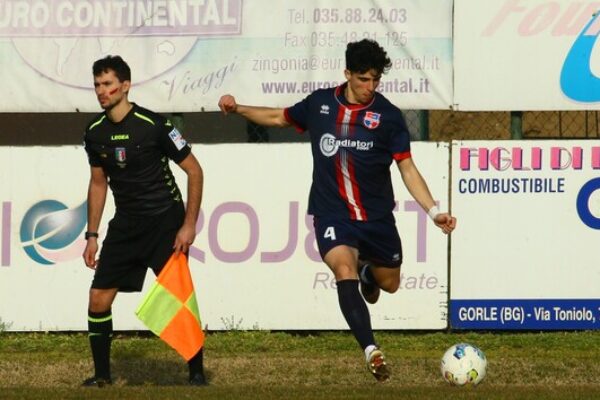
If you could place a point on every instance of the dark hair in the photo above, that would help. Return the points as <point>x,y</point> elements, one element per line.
<point>115,63</point>
<point>365,55</point>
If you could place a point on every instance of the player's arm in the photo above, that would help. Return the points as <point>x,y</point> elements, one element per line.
<point>265,116</point>
<point>195,181</point>
<point>417,187</point>
<point>96,198</point>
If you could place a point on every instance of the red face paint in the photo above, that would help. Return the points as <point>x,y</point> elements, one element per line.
<point>113,91</point>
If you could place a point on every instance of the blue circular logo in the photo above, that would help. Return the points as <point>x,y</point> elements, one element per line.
<point>583,208</point>
<point>49,227</point>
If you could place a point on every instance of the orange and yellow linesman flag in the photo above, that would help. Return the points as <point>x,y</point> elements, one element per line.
<point>170,309</point>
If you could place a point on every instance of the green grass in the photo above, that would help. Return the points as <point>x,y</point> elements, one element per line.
<point>326,365</point>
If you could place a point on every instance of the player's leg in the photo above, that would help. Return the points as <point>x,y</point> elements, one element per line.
<point>379,268</point>
<point>372,278</point>
<point>381,257</point>
<point>368,285</point>
<point>375,277</point>
<point>100,330</point>
<point>338,248</point>
<point>342,260</point>
<point>387,278</point>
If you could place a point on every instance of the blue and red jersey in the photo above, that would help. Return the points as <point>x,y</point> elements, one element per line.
<point>353,146</point>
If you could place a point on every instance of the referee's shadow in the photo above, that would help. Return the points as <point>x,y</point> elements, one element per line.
<point>148,366</point>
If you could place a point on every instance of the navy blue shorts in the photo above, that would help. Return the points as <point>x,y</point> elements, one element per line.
<point>134,244</point>
<point>377,241</point>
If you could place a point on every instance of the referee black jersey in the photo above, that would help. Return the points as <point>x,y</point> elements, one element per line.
<point>134,154</point>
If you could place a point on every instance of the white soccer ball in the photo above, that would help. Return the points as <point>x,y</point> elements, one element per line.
<point>463,364</point>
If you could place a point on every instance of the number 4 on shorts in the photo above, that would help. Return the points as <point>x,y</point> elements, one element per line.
<point>329,233</point>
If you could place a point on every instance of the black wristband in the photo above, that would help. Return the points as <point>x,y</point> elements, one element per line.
<point>91,235</point>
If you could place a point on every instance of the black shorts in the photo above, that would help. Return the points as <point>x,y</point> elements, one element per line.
<point>134,244</point>
<point>377,241</point>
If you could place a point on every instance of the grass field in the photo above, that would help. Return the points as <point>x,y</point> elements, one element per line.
<point>327,365</point>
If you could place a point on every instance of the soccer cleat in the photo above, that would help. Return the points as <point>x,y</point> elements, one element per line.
<point>198,379</point>
<point>94,381</point>
<point>377,366</point>
<point>370,292</point>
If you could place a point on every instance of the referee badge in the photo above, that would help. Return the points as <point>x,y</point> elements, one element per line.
<point>120,156</point>
<point>371,120</point>
<point>177,139</point>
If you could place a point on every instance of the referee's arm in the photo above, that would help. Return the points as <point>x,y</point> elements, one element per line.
<point>195,182</point>
<point>96,199</point>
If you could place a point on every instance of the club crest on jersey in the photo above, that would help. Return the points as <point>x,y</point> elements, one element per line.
<point>371,119</point>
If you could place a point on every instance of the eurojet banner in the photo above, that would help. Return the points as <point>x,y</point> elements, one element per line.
<point>526,55</point>
<point>185,54</point>
<point>525,252</point>
<point>254,262</point>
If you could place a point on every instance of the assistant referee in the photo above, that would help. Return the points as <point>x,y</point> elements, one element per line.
<point>129,149</point>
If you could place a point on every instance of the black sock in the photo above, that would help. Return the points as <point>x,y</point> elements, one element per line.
<point>366,275</point>
<point>195,364</point>
<point>355,311</point>
<point>100,329</point>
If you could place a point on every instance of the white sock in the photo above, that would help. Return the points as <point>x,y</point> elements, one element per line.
<point>369,349</point>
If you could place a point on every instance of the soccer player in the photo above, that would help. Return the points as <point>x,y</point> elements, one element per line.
<point>129,149</point>
<point>355,135</point>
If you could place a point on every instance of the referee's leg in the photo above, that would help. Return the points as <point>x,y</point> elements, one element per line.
<point>100,330</point>
<point>101,299</point>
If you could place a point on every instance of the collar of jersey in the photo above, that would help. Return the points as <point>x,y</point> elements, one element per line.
<point>341,98</point>
<point>134,108</point>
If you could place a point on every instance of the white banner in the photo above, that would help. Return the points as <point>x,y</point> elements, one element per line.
<point>526,55</point>
<point>254,262</point>
<point>185,54</point>
<point>525,255</point>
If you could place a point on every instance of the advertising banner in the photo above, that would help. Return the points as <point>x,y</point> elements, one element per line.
<point>185,54</point>
<point>254,262</point>
<point>519,55</point>
<point>525,255</point>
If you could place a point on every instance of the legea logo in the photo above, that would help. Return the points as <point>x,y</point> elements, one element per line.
<point>577,81</point>
<point>51,232</point>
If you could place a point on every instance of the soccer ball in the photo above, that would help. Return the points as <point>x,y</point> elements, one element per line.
<point>463,364</point>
